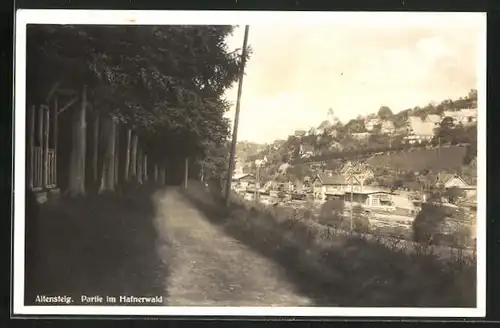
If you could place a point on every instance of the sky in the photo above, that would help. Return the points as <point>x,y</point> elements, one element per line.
<point>297,72</point>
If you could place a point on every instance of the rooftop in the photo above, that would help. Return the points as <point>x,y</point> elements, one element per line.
<point>238,176</point>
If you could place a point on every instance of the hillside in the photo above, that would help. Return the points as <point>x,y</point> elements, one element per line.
<point>332,144</point>
<point>246,149</point>
<point>416,160</point>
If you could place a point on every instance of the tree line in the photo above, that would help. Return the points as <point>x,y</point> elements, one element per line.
<point>148,97</point>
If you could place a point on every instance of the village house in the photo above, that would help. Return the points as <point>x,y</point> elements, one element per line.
<point>448,181</point>
<point>362,136</point>
<point>242,181</point>
<point>306,151</point>
<point>463,116</point>
<point>433,119</point>
<point>300,133</point>
<point>388,127</point>
<point>369,197</point>
<point>351,191</point>
<point>363,171</point>
<point>371,121</point>
<point>419,130</point>
<point>327,185</point>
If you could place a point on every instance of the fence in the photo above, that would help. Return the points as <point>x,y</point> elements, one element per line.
<point>51,169</point>
<point>39,178</point>
<point>38,168</point>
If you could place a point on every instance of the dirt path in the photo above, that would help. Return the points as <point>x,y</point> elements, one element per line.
<point>207,267</point>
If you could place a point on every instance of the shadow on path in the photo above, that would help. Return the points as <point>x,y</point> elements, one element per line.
<point>102,245</point>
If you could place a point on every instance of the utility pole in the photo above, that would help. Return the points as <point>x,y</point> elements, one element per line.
<point>236,117</point>
<point>257,181</point>
<point>352,201</point>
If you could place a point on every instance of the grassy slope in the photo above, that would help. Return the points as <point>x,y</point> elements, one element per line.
<point>448,158</point>
<point>344,270</point>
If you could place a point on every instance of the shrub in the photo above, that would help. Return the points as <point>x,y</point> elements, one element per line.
<point>454,194</point>
<point>439,224</point>
<point>332,213</point>
<point>361,223</point>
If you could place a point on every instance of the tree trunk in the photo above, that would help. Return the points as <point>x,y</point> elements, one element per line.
<point>108,171</point>
<point>117,153</point>
<point>155,174</point>
<point>95,148</point>
<point>133,158</point>
<point>77,170</point>
<point>127,156</point>
<point>139,165</point>
<point>145,167</point>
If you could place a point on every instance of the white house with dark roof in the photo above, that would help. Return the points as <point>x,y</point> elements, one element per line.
<point>419,130</point>
<point>332,185</point>
<point>388,127</point>
<point>455,181</point>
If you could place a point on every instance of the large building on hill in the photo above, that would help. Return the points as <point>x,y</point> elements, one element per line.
<point>419,130</point>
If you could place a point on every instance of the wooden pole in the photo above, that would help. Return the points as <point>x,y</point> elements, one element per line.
<point>46,114</point>
<point>236,117</point>
<point>127,156</point>
<point>186,172</point>
<point>32,116</point>
<point>56,135</point>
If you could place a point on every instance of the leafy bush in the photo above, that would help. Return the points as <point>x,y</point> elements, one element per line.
<point>361,223</point>
<point>332,213</point>
<point>439,224</point>
<point>454,194</point>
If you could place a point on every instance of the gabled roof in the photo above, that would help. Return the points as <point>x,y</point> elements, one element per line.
<point>444,178</point>
<point>335,179</point>
<point>238,176</point>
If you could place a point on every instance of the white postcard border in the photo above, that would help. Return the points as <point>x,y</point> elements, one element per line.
<point>114,17</point>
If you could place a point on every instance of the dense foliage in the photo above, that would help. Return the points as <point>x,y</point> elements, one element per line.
<point>165,82</point>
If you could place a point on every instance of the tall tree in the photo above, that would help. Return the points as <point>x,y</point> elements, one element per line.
<point>384,113</point>
<point>162,82</point>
